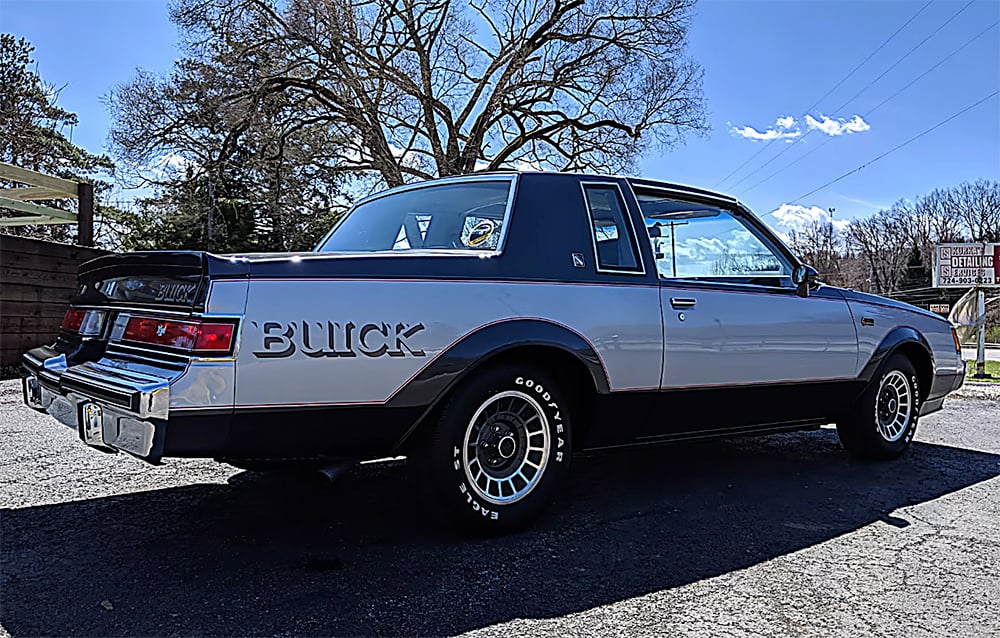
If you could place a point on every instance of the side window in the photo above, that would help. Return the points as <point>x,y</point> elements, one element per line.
<point>614,242</point>
<point>695,241</point>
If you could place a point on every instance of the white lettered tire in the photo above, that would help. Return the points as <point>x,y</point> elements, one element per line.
<point>882,423</point>
<point>498,452</point>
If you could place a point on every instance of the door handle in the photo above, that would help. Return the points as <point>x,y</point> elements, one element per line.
<point>683,302</point>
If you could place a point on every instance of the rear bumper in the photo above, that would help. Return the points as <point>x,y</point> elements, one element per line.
<point>132,416</point>
<point>110,408</point>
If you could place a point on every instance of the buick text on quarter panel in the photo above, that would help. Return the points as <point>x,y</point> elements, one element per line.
<point>488,327</point>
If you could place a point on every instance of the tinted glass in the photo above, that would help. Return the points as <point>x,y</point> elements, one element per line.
<point>609,224</point>
<point>702,242</point>
<point>459,216</point>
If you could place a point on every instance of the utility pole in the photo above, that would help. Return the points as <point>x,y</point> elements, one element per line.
<point>673,246</point>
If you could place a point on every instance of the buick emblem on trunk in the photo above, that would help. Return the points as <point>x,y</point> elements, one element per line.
<point>161,329</point>
<point>176,293</point>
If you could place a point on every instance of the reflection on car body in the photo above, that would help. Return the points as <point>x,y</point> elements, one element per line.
<point>487,327</point>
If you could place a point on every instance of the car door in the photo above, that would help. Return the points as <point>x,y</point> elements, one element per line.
<point>741,348</point>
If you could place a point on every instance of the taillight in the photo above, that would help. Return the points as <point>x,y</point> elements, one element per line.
<point>88,323</point>
<point>73,320</point>
<point>196,337</point>
<point>958,346</point>
<point>214,337</point>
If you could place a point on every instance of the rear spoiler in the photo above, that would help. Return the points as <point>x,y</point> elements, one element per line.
<point>153,279</point>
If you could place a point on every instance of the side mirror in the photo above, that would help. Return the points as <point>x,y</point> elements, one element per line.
<point>804,277</point>
<point>654,231</point>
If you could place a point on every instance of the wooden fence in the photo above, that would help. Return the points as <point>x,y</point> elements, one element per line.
<point>37,279</point>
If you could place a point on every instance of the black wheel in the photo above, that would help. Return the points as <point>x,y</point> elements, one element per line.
<point>884,420</point>
<point>498,452</point>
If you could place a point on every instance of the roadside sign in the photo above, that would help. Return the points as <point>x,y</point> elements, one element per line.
<point>941,308</point>
<point>966,265</point>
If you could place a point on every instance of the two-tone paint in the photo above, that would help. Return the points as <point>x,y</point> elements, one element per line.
<point>347,354</point>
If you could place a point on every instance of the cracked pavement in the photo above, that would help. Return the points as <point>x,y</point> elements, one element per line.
<point>780,535</point>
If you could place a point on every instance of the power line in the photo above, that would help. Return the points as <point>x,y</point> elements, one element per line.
<point>907,54</point>
<point>836,86</point>
<point>877,106</point>
<point>872,54</point>
<point>863,89</point>
<point>896,148</point>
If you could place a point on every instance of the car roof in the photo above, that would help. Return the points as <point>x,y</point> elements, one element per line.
<point>641,182</point>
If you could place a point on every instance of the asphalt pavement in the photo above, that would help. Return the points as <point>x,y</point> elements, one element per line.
<point>781,535</point>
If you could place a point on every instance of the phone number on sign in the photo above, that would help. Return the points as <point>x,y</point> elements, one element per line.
<point>965,280</point>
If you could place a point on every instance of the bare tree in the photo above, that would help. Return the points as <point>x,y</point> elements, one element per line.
<point>232,175</point>
<point>882,243</point>
<point>423,88</point>
<point>820,245</point>
<point>978,204</point>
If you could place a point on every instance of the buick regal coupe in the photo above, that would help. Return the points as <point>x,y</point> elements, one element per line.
<point>488,327</point>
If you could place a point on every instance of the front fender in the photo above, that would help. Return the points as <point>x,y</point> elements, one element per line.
<point>897,338</point>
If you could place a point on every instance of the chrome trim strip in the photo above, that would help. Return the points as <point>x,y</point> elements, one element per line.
<point>593,234</point>
<point>122,309</point>
<point>692,282</point>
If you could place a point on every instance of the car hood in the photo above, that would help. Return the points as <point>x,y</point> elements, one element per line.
<point>864,297</point>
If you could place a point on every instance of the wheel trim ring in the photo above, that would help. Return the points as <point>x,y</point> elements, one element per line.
<point>545,448</point>
<point>894,387</point>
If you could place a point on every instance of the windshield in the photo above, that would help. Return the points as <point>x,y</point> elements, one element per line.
<point>465,216</point>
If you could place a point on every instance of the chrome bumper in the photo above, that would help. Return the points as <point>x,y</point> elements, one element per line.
<point>109,407</point>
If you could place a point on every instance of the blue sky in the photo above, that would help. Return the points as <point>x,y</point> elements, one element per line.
<point>765,62</point>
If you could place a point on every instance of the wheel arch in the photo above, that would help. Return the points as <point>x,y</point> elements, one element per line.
<point>907,341</point>
<point>553,347</point>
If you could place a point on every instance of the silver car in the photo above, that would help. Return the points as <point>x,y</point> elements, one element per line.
<point>488,327</point>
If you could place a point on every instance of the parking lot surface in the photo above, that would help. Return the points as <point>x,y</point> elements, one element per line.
<point>780,535</point>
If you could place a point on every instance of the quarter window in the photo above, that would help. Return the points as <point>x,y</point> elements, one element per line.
<point>614,242</point>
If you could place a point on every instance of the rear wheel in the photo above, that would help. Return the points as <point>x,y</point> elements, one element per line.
<point>884,420</point>
<point>498,452</point>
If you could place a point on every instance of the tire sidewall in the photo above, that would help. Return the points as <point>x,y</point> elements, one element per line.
<point>893,448</point>
<point>447,468</point>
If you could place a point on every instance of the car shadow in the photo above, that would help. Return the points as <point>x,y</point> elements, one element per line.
<point>267,555</point>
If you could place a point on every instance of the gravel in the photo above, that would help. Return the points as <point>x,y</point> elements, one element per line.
<point>780,535</point>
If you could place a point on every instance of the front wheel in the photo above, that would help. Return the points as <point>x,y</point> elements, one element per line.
<point>498,452</point>
<point>884,420</point>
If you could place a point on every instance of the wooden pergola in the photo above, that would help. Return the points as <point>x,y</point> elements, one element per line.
<point>41,187</point>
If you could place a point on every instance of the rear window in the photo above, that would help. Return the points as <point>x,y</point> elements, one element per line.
<point>458,216</point>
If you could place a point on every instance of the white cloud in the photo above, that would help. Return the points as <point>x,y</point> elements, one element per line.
<point>787,128</point>
<point>794,218</point>
<point>839,126</point>
<point>782,130</point>
<point>785,122</point>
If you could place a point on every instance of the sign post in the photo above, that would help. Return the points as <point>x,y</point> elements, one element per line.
<point>970,266</point>
<point>981,345</point>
